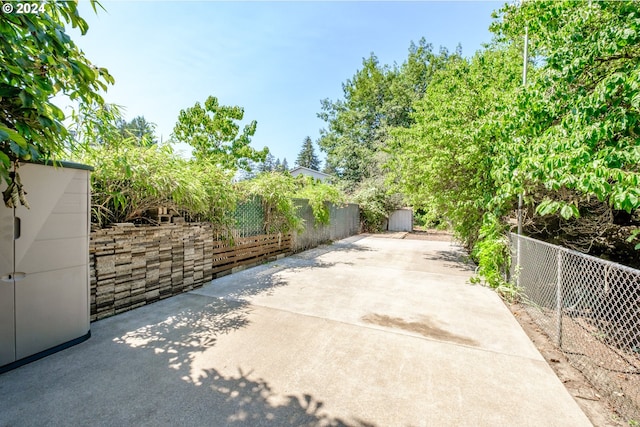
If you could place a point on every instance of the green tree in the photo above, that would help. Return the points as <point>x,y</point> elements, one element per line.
<point>38,60</point>
<point>329,168</point>
<point>307,156</point>
<point>578,123</point>
<point>376,202</point>
<point>375,100</point>
<point>444,162</point>
<point>268,165</point>
<point>413,80</point>
<point>94,124</point>
<point>140,129</point>
<point>285,165</point>
<point>567,141</point>
<point>356,125</point>
<point>130,178</point>
<point>215,136</point>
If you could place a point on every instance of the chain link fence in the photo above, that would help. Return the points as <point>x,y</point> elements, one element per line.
<point>249,216</point>
<point>590,308</point>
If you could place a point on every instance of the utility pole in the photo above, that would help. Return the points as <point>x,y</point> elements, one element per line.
<point>525,63</point>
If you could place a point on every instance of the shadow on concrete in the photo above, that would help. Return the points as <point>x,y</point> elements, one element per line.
<point>138,370</point>
<point>142,367</point>
<point>243,401</point>
<point>265,279</point>
<point>227,400</point>
<point>182,335</point>
<point>454,259</point>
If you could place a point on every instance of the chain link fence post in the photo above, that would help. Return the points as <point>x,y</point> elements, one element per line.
<point>559,300</point>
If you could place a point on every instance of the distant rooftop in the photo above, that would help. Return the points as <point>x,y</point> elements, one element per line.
<point>301,170</point>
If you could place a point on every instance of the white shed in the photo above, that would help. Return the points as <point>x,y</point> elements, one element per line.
<point>401,220</point>
<point>44,264</point>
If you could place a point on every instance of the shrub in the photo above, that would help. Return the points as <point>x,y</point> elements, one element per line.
<point>375,204</point>
<point>275,190</point>
<point>492,254</point>
<point>318,194</point>
<point>129,179</point>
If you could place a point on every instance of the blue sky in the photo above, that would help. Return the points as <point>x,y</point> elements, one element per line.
<point>275,59</point>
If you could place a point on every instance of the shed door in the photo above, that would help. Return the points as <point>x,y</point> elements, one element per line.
<point>51,259</point>
<point>401,220</point>
<point>7,313</point>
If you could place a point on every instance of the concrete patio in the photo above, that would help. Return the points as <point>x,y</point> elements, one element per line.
<point>369,331</point>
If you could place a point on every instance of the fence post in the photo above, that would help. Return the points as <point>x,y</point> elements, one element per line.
<point>559,299</point>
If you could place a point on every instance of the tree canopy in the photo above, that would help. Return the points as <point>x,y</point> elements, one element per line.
<point>578,122</point>
<point>443,162</point>
<point>307,156</point>
<point>375,100</point>
<point>140,129</point>
<point>215,135</point>
<point>38,60</point>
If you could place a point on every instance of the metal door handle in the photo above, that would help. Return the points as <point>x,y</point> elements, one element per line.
<point>16,228</point>
<point>7,278</point>
<point>19,276</point>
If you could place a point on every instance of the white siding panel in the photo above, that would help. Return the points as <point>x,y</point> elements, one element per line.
<point>401,220</point>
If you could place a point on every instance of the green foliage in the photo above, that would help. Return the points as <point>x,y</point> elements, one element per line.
<point>38,60</point>
<point>130,178</point>
<point>271,164</point>
<point>577,123</point>
<point>319,195</point>
<point>94,124</point>
<point>215,136</point>
<point>307,157</point>
<point>140,129</point>
<point>634,236</point>
<point>492,253</point>
<point>479,139</point>
<point>376,203</point>
<point>376,99</point>
<point>329,169</point>
<point>428,218</point>
<point>268,165</point>
<point>462,138</point>
<point>443,162</point>
<point>356,126</point>
<point>275,190</point>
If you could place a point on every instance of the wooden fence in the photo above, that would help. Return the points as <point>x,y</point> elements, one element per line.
<point>131,266</point>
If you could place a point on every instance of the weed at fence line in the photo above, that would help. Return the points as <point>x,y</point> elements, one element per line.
<point>493,255</point>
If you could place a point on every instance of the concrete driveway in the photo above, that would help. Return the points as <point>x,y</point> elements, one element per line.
<point>368,331</point>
